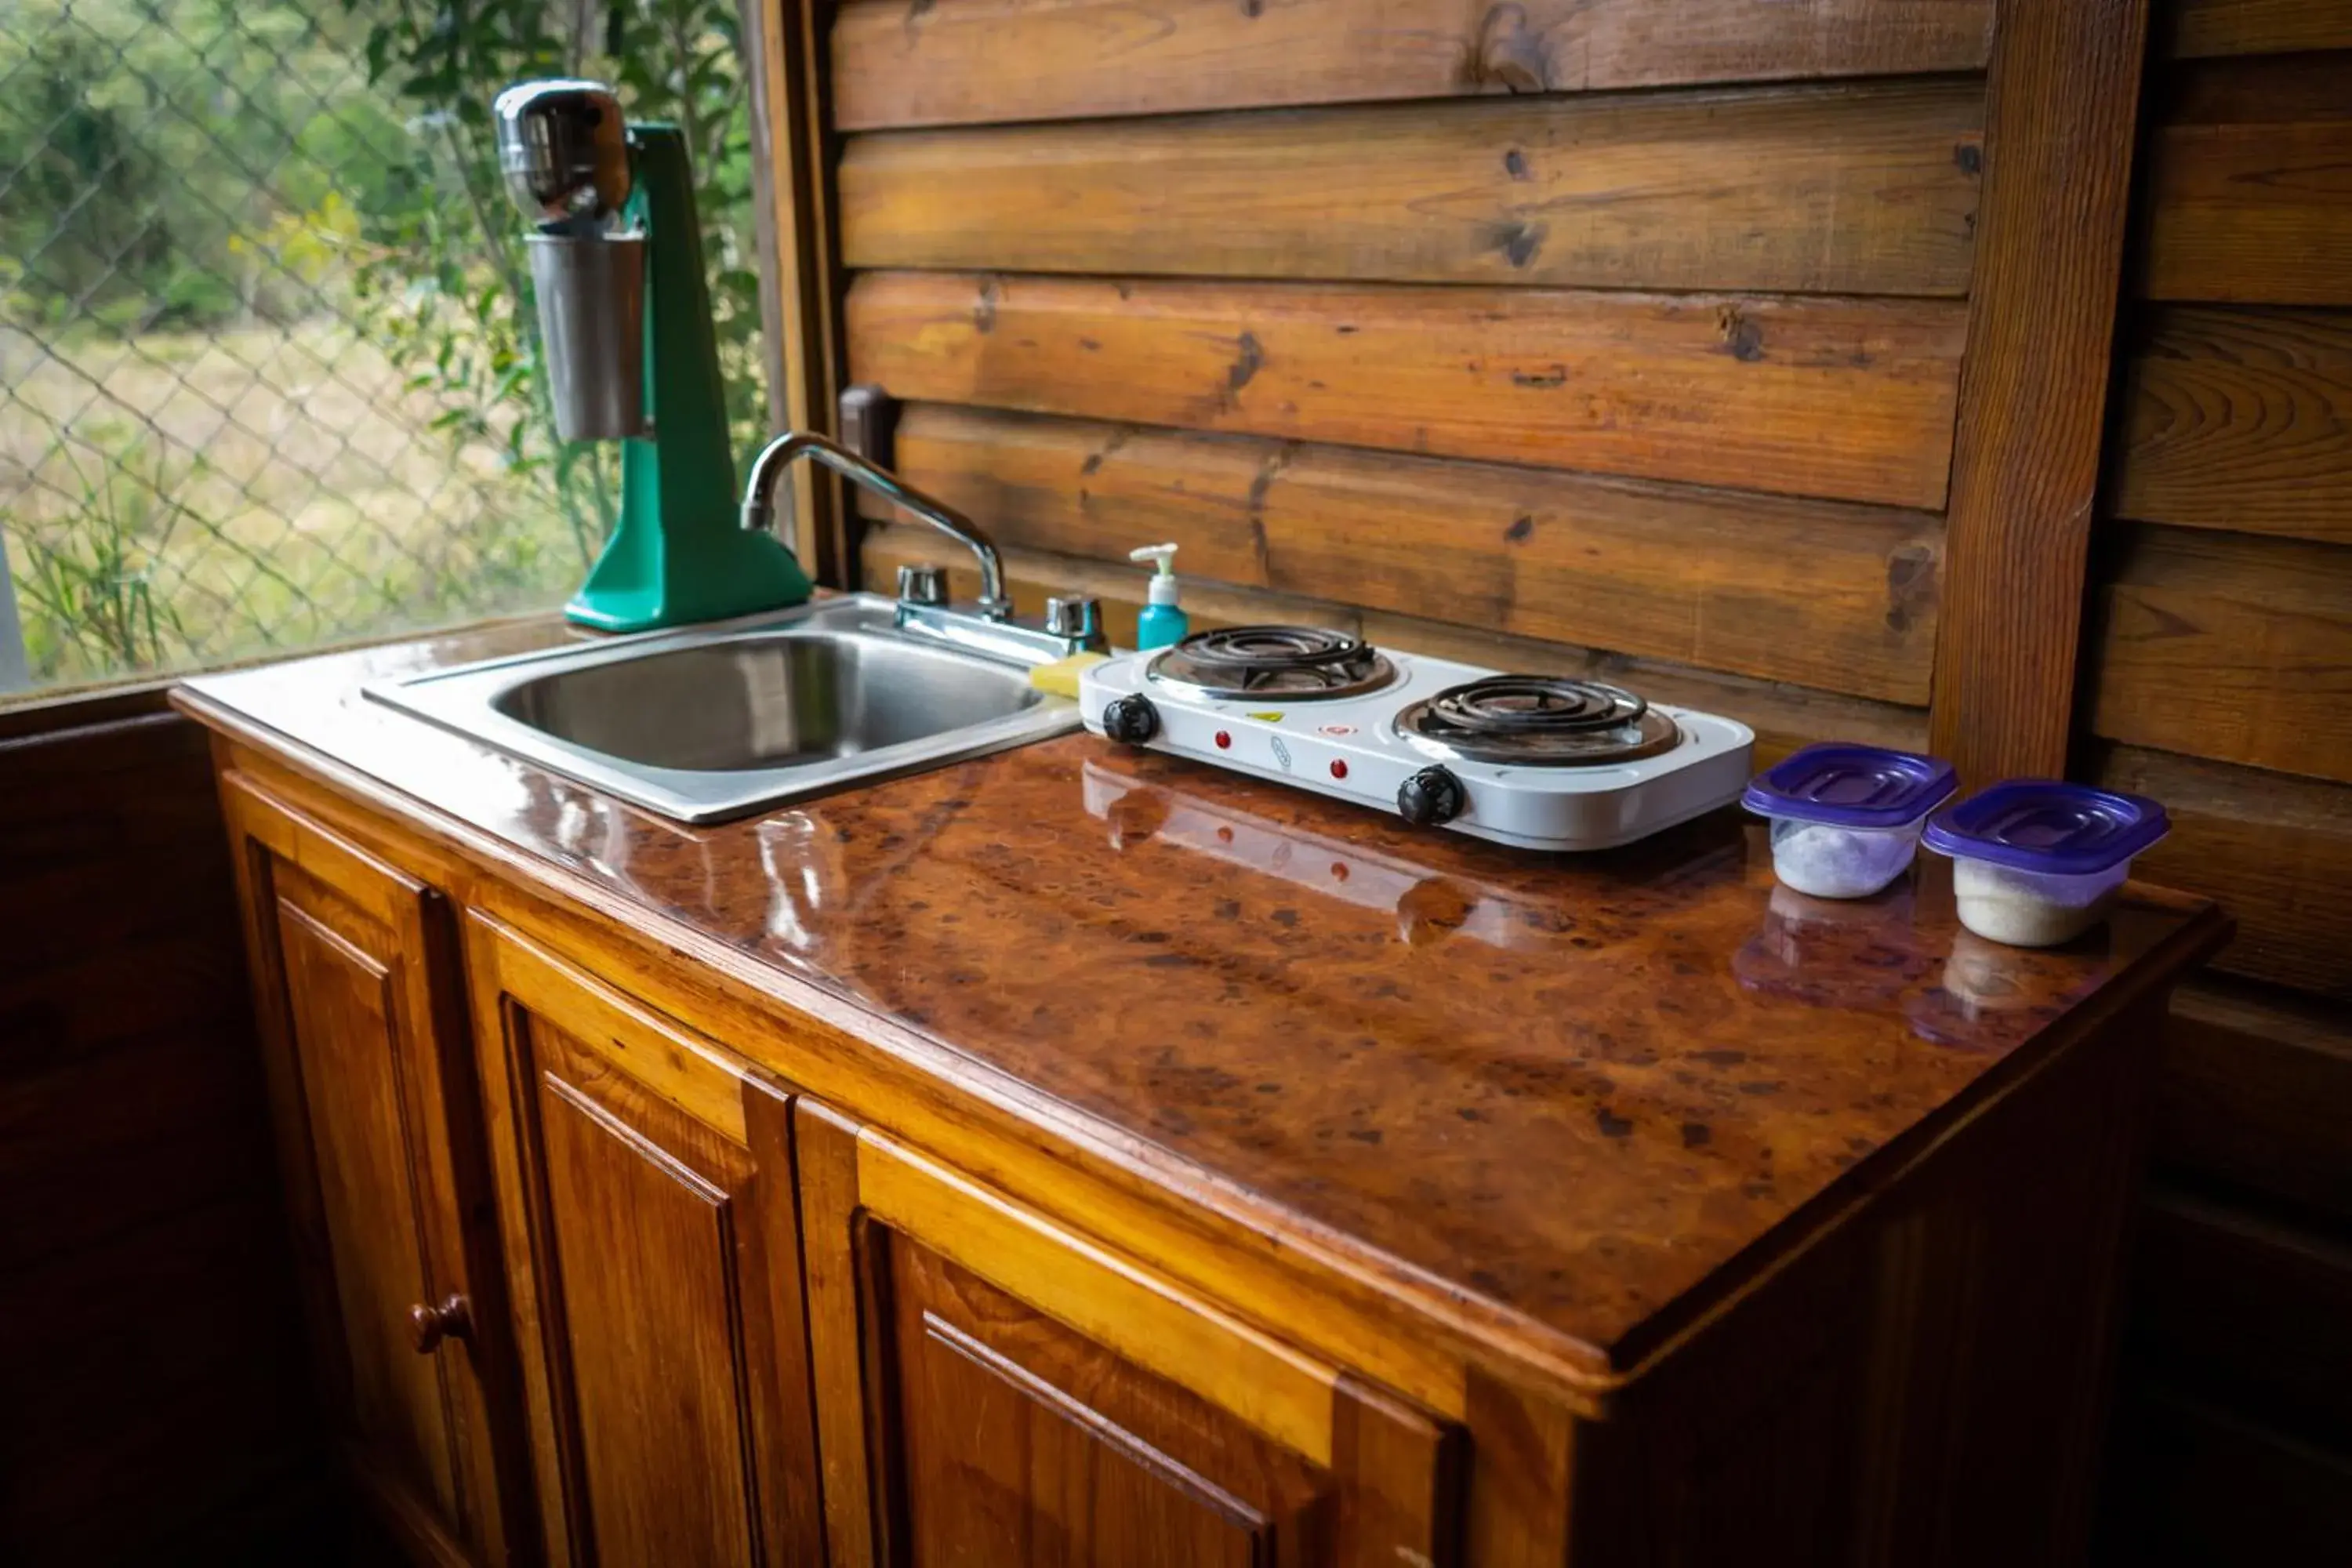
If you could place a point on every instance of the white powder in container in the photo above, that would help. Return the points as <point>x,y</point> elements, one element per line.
<point>1831,862</point>
<point>2029,908</point>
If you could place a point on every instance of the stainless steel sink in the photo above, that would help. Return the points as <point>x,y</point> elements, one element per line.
<point>719,721</point>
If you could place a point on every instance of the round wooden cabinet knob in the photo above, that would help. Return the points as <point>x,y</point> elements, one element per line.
<point>428,1325</point>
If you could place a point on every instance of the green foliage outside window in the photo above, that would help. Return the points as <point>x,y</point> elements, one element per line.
<point>268,374</point>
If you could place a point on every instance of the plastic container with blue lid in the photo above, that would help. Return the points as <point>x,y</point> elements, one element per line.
<point>2036,862</point>
<point>1846,819</point>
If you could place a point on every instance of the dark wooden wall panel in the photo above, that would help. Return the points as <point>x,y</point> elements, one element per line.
<point>2226,646</point>
<point>2276,850</point>
<point>1865,190</point>
<point>2249,197</point>
<point>2205,1267</point>
<point>2255,213</point>
<point>2257,1096</point>
<point>1817,593</point>
<point>1850,398</point>
<point>2195,27</point>
<point>1784,717</point>
<point>2239,419</point>
<point>2222,654</point>
<point>921,62</point>
<point>1413,317</point>
<point>154,1402</point>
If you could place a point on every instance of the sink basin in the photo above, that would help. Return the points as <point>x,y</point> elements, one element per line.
<point>719,722</point>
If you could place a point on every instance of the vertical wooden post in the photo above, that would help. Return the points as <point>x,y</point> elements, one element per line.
<point>2059,123</point>
<point>783,42</point>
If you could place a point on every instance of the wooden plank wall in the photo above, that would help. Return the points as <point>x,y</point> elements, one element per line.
<point>2219,679</point>
<point>1603,335</point>
<point>153,1406</point>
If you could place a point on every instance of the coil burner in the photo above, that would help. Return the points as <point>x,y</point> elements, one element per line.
<point>1537,722</point>
<point>1303,664</point>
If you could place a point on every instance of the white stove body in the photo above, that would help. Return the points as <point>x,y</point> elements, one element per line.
<point>1349,748</point>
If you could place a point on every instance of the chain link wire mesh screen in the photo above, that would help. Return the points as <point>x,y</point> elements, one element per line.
<point>267,376</point>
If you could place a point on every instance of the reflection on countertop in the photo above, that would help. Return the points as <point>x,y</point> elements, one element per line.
<point>1572,1085</point>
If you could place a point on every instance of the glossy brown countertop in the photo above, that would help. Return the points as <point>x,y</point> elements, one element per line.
<point>1573,1087</point>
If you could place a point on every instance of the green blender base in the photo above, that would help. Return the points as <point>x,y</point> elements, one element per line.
<point>679,553</point>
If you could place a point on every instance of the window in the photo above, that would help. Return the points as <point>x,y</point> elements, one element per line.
<point>268,376</point>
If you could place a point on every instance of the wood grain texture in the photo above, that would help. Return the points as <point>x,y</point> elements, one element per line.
<point>2239,420</point>
<point>904,62</point>
<point>2251,213</point>
<point>656,1261</point>
<point>2256,1093</point>
<point>2276,851</point>
<point>644,1245</point>
<point>792,161</point>
<point>1864,190</point>
<point>1402,1498</point>
<point>2060,123</point>
<point>1143,1319</point>
<point>2198,27</point>
<point>1022,1396</point>
<point>825,1184</point>
<point>2230,647</point>
<point>355,980</point>
<point>1840,397</point>
<point>1020,1443</point>
<point>2037,1072</point>
<point>1352,1316</point>
<point>138,1209</point>
<point>1835,596</point>
<point>2238,1305</point>
<point>1827,1418</point>
<point>342,1021</point>
<point>899,894</point>
<point>2260,89</point>
<point>1783,717</point>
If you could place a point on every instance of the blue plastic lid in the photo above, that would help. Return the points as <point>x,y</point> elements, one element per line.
<point>1851,786</point>
<point>2042,824</point>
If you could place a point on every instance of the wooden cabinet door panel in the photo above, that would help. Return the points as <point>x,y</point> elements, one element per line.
<point>362,1013</point>
<point>994,1391</point>
<point>342,1011</point>
<point>1025,1442</point>
<point>646,1179</point>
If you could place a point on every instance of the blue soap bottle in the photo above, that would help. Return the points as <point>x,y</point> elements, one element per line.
<point>1162,623</point>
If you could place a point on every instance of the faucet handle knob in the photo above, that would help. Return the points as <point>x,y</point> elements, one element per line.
<point>920,582</point>
<point>1078,618</point>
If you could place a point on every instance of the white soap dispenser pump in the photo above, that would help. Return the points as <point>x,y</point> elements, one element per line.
<point>1161,622</point>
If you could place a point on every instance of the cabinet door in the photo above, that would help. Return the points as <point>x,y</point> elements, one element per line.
<point>994,1390</point>
<point>644,1193</point>
<point>362,1022</point>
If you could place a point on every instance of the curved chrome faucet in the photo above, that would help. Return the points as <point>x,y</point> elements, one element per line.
<point>759,512</point>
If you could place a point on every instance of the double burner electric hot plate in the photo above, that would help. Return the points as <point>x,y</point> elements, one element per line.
<point>1536,760</point>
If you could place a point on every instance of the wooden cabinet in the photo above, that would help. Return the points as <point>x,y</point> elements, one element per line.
<point>592,1284</point>
<point>646,1198</point>
<point>360,1008</point>
<point>589,1287</point>
<point>994,1390</point>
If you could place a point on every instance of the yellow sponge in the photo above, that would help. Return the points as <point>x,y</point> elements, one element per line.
<point>1061,677</point>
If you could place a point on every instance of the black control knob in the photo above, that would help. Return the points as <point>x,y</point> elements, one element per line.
<point>1130,718</point>
<point>1431,798</point>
